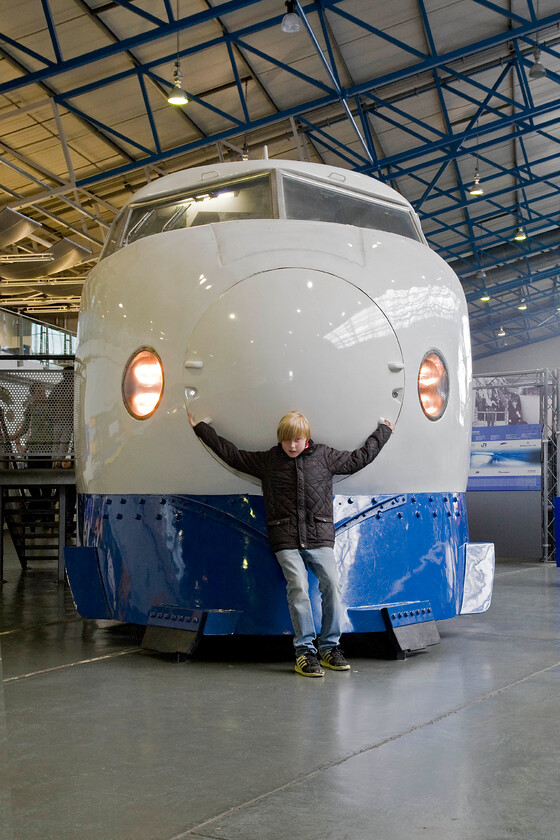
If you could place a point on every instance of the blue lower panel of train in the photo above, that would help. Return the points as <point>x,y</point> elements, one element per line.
<point>211,553</point>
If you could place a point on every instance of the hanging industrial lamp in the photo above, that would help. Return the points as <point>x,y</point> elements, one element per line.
<point>177,95</point>
<point>291,21</point>
<point>476,189</point>
<point>537,70</point>
<point>481,277</point>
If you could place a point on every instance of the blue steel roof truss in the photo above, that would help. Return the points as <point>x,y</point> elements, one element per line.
<point>434,164</point>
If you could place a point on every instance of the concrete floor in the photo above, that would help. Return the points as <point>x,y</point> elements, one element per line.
<point>103,742</point>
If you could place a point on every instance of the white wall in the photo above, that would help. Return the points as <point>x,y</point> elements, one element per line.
<point>543,354</point>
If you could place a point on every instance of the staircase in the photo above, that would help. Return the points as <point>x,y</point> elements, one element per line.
<point>32,517</point>
<point>38,508</point>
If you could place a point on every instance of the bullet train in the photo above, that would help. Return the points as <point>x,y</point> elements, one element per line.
<point>238,292</point>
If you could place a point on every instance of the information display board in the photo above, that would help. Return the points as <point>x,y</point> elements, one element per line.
<point>506,458</point>
<point>506,438</point>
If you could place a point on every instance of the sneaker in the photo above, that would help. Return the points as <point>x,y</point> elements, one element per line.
<point>307,665</point>
<point>334,659</point>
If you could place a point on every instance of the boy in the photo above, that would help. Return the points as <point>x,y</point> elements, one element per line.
<point>296,477</point>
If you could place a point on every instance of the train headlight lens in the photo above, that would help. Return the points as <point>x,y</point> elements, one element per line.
<point>433,385</point>
<point>142,385</point>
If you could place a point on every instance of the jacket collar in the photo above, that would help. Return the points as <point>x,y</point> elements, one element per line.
<point>307,451</point>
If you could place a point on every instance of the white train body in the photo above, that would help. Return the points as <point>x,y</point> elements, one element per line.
<point>252,317</point>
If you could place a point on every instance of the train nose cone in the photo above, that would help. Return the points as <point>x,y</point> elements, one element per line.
<point>294,339</point>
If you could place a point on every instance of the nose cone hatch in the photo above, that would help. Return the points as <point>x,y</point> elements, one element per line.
<point>294,339</point>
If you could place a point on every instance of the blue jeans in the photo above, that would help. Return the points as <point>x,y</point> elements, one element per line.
<point>295,562</point>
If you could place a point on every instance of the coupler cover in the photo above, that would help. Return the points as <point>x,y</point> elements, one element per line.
<point>410,627</point>
<point>173,629</point>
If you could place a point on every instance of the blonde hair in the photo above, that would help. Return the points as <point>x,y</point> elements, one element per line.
<point>292,426</point>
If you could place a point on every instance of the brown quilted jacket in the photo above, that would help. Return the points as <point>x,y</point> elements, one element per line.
<point>297,492</point>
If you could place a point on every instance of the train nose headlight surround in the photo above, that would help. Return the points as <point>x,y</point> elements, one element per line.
<point>433,385</point>
<point>142,384</point>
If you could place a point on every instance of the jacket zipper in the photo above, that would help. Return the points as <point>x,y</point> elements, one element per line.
<point>300,511</point>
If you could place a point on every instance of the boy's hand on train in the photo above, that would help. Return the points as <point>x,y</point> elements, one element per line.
<point>391,425</point>
<point>192,421</point>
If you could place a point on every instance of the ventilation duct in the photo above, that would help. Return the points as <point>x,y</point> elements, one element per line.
<point>65,254</point>
<point>14,226</point>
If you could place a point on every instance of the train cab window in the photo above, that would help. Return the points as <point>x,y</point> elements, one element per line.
<point>115,234</point>
<point>315,202</point>
<point>250,198</point>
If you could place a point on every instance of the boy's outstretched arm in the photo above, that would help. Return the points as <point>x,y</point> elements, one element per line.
<point>238,459</point>
<point>345,462</point>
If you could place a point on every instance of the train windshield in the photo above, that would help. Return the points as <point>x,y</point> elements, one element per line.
<point>254,197</point>
<point>247,199</point>
<point>315,202</point>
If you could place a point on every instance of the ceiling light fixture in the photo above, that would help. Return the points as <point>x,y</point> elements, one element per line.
<point>502,332</point>
<point>481,277</point>
<point>537,70</point>
<point>177,95</point>
<point>520,235</point>
<point>291,21</point>
<point>476,189</point>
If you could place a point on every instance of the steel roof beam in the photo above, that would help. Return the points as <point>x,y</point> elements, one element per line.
<point>142,38</point>
<point>497,350</point>
<point>15,63</point>
<point>334,79</point>
<point>52,30</point>
<point>93,15</point>
<point>533,297</point>
<point>425,65</point>
<point>528,279</point>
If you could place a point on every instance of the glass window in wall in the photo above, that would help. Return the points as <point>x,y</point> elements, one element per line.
<point>314,202</point>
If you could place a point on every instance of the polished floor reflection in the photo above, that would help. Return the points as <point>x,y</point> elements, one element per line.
<point>103,742</point>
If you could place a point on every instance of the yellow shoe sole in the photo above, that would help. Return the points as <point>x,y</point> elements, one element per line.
<point>335,667</point>
<point>307,674</point>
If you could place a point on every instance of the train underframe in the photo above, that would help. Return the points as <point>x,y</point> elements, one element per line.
<point>202,564</point>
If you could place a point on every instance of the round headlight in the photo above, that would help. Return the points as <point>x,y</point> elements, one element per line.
<point>142,385</point>
<point>433,385</point>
